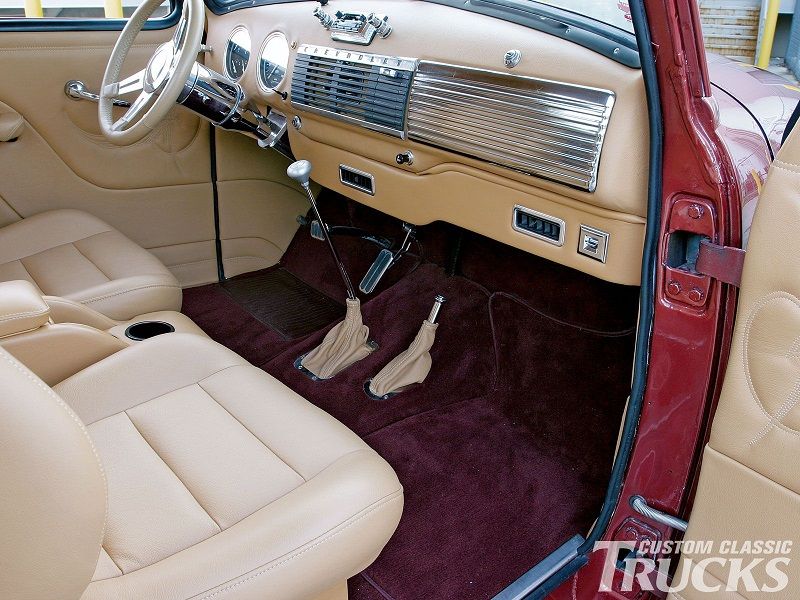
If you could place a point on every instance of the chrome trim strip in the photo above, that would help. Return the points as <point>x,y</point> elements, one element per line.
<point>351,120</point>
<point>560,222</point>
<point>356,56</point>
<point>370,176</point>
<point>539,127</point>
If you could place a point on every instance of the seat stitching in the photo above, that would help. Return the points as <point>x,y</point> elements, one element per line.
<point>111,558</point>
<point>94,264</point>
<point>263,443</point>
<point>321,540</point>
<point>243,518</point>
<point>127,291</point>
<point>183,387</point>
<point>60,402</point>
<point>69,243</point>
<point>22,315</point>
<point>166,464</point>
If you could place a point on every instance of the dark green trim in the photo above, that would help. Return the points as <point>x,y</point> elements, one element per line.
<point>24,24</point>
<point>221,7</point>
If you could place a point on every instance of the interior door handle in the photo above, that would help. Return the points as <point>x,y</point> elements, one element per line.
<point>77,91</point>
<point>11,126</point>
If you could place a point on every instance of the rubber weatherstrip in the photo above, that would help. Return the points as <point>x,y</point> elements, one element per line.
<point>646,306</point>
<point>215,192</point>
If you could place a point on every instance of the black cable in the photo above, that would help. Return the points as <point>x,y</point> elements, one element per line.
<point>758,123</point>
<point>215,193</point>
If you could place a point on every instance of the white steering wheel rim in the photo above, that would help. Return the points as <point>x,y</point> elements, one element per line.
<point>160,82</point>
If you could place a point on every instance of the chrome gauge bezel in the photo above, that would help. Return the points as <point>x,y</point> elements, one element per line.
<point>228,49</point>
<point>261,83</point>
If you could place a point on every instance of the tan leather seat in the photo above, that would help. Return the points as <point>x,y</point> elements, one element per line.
<point>219,483</point>
<point>75,255</point>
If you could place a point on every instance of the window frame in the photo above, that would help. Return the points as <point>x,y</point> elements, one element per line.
<point>67,24</point>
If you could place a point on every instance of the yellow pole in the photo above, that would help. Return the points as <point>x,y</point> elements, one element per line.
<point>768,37</point>
<point>33,9</point>
<point>113,9</point>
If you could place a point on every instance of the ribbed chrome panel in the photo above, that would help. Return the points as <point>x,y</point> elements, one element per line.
<point>368,89</point>
<point>544,128</point>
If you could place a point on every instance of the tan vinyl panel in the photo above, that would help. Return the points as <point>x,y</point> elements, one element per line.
<point>158,191</point>
<point>472,201</point>
<point>56,352</point>
<point>477,41</point>
<point>259,204</point>
<point>749,486</point>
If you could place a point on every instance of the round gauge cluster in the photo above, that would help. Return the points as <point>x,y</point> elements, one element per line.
<point>274,61</point>
<point>237,53</point>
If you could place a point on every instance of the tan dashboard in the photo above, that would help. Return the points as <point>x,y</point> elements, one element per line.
<point>583,207</point>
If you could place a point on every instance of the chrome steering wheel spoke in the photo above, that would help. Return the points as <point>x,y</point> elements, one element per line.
<point>134,83</point>
<point>138,107</point>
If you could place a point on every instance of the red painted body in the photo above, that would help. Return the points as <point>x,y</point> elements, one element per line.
<point>715,157</point>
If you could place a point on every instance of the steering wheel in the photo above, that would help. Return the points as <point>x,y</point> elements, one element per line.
<point>160,83</point>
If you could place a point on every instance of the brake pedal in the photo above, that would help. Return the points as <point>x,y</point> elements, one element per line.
<point>316,231</point>
<point>384,260</point>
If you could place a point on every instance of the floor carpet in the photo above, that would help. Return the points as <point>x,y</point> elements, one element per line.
<point>505,450</point>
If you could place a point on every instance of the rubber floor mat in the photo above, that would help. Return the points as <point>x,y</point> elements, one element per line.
<point>284,303</point>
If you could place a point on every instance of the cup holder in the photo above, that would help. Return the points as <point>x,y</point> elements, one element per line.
<point>148,329</point>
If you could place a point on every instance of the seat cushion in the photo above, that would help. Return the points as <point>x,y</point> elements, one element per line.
<point>222,482</point>
<point>75,255</point>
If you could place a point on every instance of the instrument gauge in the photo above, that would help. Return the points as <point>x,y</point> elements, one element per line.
<point>274,61</point>
<point>237,53</point>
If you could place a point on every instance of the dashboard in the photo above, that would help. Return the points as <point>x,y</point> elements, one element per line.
<point>427,112</point>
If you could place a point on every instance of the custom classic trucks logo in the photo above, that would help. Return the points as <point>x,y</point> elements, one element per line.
<point>707,566</point>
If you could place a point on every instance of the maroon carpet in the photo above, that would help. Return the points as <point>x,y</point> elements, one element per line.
<point>505,450</point>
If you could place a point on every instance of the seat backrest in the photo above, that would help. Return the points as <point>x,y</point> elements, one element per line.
<point>52,492</point>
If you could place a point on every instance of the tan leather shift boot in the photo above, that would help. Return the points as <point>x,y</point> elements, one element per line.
<point>344,345</point>
<point>409,367</point>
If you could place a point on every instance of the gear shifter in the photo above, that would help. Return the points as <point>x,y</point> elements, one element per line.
<point>348,342</point>
<point>300,171</point>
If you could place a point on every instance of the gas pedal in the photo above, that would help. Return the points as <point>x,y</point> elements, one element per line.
<point>384,260</point>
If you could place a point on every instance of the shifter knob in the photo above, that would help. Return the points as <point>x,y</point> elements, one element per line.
<point>300,171</point>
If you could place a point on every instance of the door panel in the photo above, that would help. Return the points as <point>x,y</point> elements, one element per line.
<point>158,191</point>
<point>749,487</point>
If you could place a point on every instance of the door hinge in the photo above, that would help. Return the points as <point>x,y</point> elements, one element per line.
<point>724,263</point>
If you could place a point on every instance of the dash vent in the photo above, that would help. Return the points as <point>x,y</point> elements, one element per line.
<point>366,89</point>
<point>539,225</point>
<point>357,179</point>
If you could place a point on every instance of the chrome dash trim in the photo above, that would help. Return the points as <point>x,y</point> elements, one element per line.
<point>536,126</point>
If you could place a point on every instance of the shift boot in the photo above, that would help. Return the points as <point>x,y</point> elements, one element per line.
<point>344,345</point>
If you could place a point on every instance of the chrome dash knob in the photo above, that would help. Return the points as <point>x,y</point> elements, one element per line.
<point>324,18</point>
<point>382,28</point>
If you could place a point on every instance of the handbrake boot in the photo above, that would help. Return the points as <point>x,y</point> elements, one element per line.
<point>410,367</point>
<point>345,344</point>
